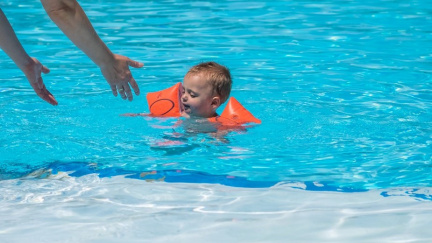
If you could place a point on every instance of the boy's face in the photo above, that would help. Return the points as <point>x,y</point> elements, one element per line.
<point>197,98</point>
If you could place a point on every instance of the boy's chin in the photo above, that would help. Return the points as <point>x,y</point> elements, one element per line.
<point>184,114</point>
<point>188,114</point>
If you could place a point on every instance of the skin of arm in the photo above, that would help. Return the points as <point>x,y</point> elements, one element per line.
<point>72,20</point>
<point>31,67</point>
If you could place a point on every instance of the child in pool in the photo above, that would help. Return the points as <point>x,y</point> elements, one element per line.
<point>206,86</point>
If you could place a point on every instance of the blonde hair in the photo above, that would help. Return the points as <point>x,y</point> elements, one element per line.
<point>217,75</point>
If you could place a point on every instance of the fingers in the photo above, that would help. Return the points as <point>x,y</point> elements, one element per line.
<point>121,91</point>
<point>39,81</point>
<point>43,92</point>
<point>132,81</point>
<point>114,89</point>
<point>33,74</point>
<point>119,77</point>
<point>125,92</point>
<point>134,86</point>
<point>48,97</point>
<point>128,92</point>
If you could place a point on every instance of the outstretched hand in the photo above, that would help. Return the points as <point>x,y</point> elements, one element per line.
<point>33,73</point>
<point>119,76</point>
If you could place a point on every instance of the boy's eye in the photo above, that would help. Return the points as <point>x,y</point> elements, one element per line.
<point>193,95</point>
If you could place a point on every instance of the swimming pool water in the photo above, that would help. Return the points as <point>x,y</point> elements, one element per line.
<point>343,89</point>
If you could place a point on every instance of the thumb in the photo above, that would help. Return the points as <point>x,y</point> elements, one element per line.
<point>134,64</point>
<point>45,69</point>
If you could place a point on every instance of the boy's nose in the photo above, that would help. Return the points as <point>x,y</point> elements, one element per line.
<point>184,97</point>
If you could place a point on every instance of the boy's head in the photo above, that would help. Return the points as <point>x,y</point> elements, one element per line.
<point>205,87</point>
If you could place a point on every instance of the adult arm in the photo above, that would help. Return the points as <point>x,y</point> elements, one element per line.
<point>72,20</point>
<point>31,67</point>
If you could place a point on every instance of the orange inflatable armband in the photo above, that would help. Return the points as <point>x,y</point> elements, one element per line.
<point>235,114</point>
<point>165,103</point>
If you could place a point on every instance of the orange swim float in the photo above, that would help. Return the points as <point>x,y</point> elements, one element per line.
<point>166,103</point>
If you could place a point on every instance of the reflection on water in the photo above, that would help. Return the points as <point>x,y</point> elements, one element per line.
<point>59,170</point>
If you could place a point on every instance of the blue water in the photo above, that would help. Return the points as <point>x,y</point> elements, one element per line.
<point>343,89</point>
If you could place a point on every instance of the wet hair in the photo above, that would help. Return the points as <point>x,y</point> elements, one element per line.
<point>219,77</point>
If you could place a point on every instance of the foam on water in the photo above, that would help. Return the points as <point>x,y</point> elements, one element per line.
<point>91,209</point>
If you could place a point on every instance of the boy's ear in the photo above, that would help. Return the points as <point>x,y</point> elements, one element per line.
<point>216,102</point>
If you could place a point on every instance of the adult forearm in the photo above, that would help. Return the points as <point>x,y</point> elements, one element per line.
<point>72,20</point>
<point>11,45</point>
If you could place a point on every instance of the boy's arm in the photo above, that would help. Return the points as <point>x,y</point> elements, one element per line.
<point>72,20</point>
<point>31,67</point>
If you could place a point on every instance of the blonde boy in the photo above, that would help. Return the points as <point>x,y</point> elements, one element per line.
<point>206,86</point>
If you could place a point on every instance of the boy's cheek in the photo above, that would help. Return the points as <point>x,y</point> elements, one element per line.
<point>181,106</point>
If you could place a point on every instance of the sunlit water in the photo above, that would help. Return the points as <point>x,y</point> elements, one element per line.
<point>343,154</point>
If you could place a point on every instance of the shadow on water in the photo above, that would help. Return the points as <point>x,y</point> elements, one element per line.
<point>78,169</point>
<point>173,144</point>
